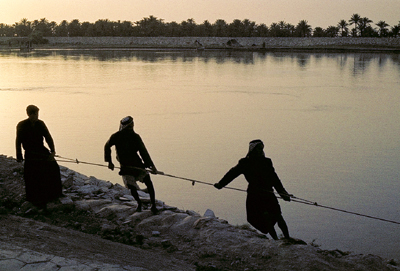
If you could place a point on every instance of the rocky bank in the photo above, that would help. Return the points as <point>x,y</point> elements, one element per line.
<point>93,210</point>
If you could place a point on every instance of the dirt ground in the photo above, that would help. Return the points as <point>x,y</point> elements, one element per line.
<point>71,244</point>
<point>55,233</point>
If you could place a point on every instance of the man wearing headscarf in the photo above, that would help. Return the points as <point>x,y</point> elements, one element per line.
<point>41,171</point>
<point>128,144</point>
<point>262,206</point>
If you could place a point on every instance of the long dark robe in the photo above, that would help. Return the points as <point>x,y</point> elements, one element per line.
<point>262,210</point>
<point>262,206</point>
<point>41,171</point>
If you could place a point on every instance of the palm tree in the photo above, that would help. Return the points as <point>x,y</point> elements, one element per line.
<point>52,25</point>
<point>44,27</point>
<point>125,29</point>
<point>363,24</point>
<point>220,28</point>
<point>395,31</point>
<point>262,30</point>
<point>172,29</point>
<point>275,30</point>
<point>235,28</point>
<point>6,30</point>
<point>382,28</point>
<point>23,28</point>
<point>291,29</point>
<point>87,29</point>
<point>303,29</point>
<point>151,26</point>
<point>249,28</point>
<point>74,28</point>
<point>332,31</point>
<point>62,29</point>
<point>206,29</point>
<point>355,19</point>
<point>343,28</point>
<point>318,32</point>
<point>283,29</point>
<point>188,27</point>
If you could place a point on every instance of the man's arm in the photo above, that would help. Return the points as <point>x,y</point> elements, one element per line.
<point>145,155</point>
<point>18,143</point>
<point>278,185</point>
<point>232,174</point>
<point>48,138</point>
<point>107,153</point>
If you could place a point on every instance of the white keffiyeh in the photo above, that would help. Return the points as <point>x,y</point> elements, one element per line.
<point>253,144</point>
<point>125,122</point>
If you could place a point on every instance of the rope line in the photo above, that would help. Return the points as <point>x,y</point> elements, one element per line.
<point>193,181</point>
<point>344,211</point>
<point>70,160</point>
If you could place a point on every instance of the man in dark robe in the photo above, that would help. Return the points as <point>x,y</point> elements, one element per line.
<point>128,144</point>
<point>41,171</point>
<point>262,206</point>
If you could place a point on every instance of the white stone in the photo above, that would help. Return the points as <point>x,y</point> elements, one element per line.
<point>143,194</point>
<point>108,227</point>
<point>209,213</point>
<point>96,205</point>
<point>66,201</point>
<point>88,189</point>
<point>68,182</point>
<point>121,211</point>
<point>129,197</point>
<point>82,205</point>
<point>94,181</point>
<point>137,217</point>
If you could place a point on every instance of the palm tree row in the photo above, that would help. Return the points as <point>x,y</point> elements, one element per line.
<point>155,27</point>
<point>363,28</point>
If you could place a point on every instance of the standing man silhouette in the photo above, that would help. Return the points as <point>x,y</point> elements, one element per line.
<point>41,171</point>
<point>128,144</point>
<point>262,206</point>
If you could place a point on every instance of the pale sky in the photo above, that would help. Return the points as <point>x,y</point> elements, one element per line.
<point>322,13</point>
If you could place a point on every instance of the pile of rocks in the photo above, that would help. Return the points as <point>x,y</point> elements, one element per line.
<point>100,207</point>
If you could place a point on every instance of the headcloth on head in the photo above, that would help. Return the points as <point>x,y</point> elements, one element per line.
<point>125,122</point>
<point>253,144</point>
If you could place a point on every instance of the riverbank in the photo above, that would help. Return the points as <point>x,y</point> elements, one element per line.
<point>96,219</point>
<point>219,43</point>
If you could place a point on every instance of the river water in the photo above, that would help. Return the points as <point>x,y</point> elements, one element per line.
<point>330,124</point>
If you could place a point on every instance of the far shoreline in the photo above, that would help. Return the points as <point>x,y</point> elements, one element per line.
<point>252,44</point>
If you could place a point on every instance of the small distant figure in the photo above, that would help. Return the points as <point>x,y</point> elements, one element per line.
<point>199,45</point>
<point>262,207</point>
<point>41,171</point>
<point>127,144</point>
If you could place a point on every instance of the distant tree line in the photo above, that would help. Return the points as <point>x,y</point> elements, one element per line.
<point>151,26</point>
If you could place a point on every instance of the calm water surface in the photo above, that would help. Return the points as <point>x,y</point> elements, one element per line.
<point>330,123</point>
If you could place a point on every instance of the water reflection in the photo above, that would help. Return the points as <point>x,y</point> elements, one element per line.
<point>303,60</point>
<point>342,61</point>
<point>395,59</point>
<point>361,61</point>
